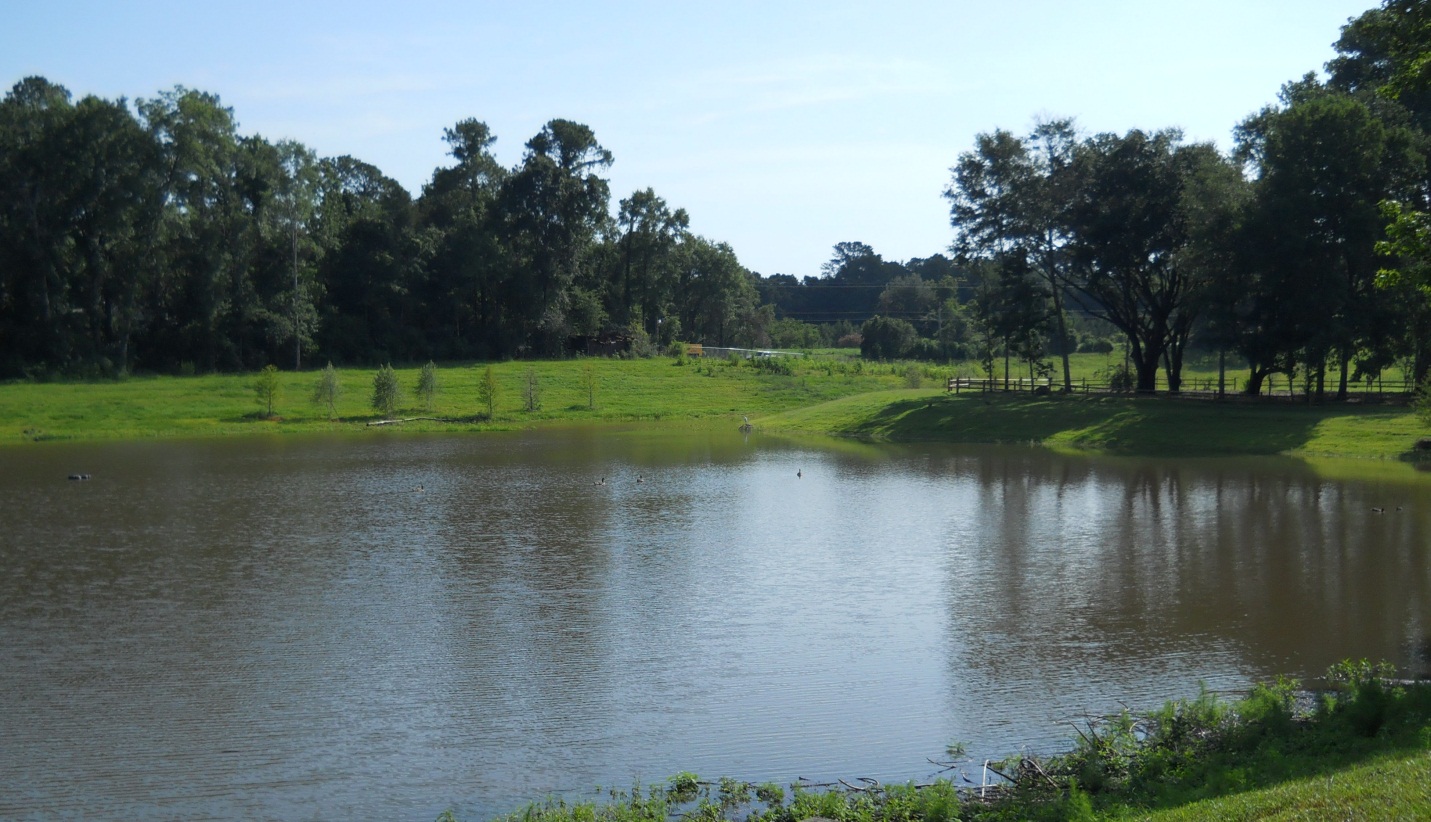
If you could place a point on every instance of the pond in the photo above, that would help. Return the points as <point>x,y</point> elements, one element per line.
<point>389,626</point>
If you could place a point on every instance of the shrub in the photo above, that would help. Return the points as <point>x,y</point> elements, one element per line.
<point>427,384</point>
<point>773,365</point>
<point>531,390</point>
<point>913,377</point>
<point>886,338</point>
<point>1421,402</point>
<point>1094,345</point>
<point>266,387</point>
<point>387,394</point>
<point>327,390</point>
<point>488,391</point>
<point>1119,376</point>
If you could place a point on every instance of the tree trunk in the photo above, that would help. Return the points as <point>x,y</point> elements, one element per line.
<point>1342,378</point>
<point>1221,373</point>
<point>1173,365</point>
<point>1145,364</point>
<point>1255,378</point>
<point>1062,338</point>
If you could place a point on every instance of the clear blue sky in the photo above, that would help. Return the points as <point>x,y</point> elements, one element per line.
<point>783,128</point>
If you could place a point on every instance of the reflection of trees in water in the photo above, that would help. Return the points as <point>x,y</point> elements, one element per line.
<point>1080,565</point>
<point>568,591</point>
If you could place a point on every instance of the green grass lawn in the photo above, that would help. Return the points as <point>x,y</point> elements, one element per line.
<point>225,404</point>
<point>1155,426</point>
<point>828,395</point>
<point>1391,786</point>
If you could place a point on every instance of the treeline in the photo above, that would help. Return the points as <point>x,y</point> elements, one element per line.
<point>1305,252</point>
<point>154,236</point>
<point>1278,254</point>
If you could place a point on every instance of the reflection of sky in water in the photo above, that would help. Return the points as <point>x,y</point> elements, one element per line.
<point>291,627</point>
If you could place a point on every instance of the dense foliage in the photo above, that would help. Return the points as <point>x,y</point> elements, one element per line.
<point>153,236</point>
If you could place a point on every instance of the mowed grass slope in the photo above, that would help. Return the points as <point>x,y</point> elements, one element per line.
<point>1155,426</point>
<point>1391,786</point>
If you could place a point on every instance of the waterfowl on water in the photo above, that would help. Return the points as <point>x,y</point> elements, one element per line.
<point>1378,510</point>
<point>640,478</point>
<point>79,476</point>
<point>799,472</point>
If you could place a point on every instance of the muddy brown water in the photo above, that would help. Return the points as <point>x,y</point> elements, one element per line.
<point>389,626</point>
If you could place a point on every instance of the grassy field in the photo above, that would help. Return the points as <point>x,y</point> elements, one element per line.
<point>225,404</point>
<point>828,395</point>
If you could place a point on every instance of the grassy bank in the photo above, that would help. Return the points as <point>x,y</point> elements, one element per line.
<point>618,390</point>
<point>1157,426</point>
<point>1360,751</point>
<point>820,395</point>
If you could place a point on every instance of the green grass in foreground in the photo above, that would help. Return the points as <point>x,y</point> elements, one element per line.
<point>1361,752</point>
<point>827,396</point>
<point>1391,786</point>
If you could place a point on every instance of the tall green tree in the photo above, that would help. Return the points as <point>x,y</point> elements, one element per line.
<point>1132,221</point>
<point>34,254</point>
<point>1010,309</point>
<point>470,271</point>
<point>1324,162</point>
<point>78,210</point>
<point>1386,51</point>
<point>716,300</point>
<point>649,235</point>
<point>554,204</point>
<point>205,302</point>
<point>369,266</point>
<point>1010,199</point>
<point>295,207</point>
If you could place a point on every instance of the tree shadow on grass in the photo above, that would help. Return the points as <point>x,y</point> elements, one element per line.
<point>1153,426</point>
<point>1367,723</point>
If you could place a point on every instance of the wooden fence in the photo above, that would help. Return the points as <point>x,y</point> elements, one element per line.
<point>1373,391</point>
